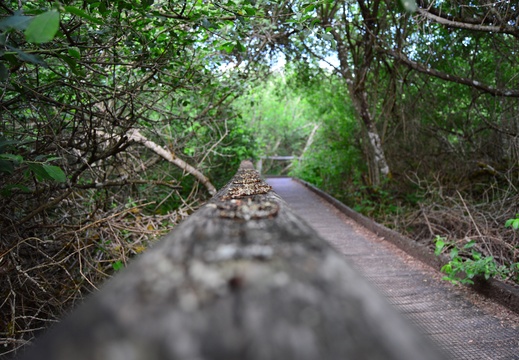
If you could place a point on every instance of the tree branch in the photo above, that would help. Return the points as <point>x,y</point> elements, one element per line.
<point>135,135</point>
<point>505,29</point>
<point>51,203</point>
<point>125,181</point>
<point>452,78</point>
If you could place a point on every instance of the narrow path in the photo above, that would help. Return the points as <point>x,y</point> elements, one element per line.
<point>442,312</point>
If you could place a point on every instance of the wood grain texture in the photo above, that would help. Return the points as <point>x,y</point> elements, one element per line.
<point>242,278</point>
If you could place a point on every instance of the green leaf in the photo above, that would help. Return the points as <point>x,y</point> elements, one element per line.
<point>446,278</point>
<point>43,27</point>
<point>72,64</point>
<point>55,173</point>
<point>514,223</point>
<point>52,158</point>
<point>47,172</point>
<point>39,171</point>
<point>250,11</point>
<point>470,244</point>
<point>118,265</point>
<point>476,255</point>
<point>228,47</point>
<point>240,47</point>
<point>4,142</point>
<point>447,268</point>
<point>12,157</point>
<point>78,12</point>
<point>310,7</point>
<point>147,3</point>
<point>74,52</point>
<point>454,253</point>
<point>440,244</point>
<point>6,190</point>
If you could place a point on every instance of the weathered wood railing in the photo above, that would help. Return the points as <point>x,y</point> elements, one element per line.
<point>242,278</point>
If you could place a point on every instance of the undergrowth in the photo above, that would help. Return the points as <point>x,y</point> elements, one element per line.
<point>466,263</point>
<point>480,225</point>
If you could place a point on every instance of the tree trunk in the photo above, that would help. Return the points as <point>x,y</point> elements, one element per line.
<point>381,166</point>
<point>356,86</point>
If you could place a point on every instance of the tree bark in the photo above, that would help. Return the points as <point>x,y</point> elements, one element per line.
<point>309,141</point>
<point>356,82</point>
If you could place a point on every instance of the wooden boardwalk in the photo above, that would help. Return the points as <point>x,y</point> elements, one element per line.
<point>461,328</point>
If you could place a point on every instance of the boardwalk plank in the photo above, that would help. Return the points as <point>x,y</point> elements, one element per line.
<point>456,325</point>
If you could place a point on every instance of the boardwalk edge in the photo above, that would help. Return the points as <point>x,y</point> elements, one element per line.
<point>504,294</point>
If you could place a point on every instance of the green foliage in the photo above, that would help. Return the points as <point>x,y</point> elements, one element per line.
<point>465,265</point>
<point>47,172</point>
<point>82,14</point>
<point>78,76</point>
<point>334,161</point>
<point>117,265</point>
<point>513,223</point>
<point>43,27</point>
<point>280,119</point>
<point>374,201</point>
<point>40,167</point>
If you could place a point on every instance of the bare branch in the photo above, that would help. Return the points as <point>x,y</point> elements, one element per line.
<point>136,136</point>
<point>125,181</point>
<point>452,78</point>
<point>505,29</point>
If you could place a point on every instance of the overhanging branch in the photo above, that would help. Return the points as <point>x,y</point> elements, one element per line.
<point>136,136</point>
<point>452,78</point>
<point>505,29</point>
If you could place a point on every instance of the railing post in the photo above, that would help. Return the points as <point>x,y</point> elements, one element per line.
<point>242,278</point>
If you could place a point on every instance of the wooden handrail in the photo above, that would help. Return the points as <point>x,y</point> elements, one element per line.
<point>241,278</point>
